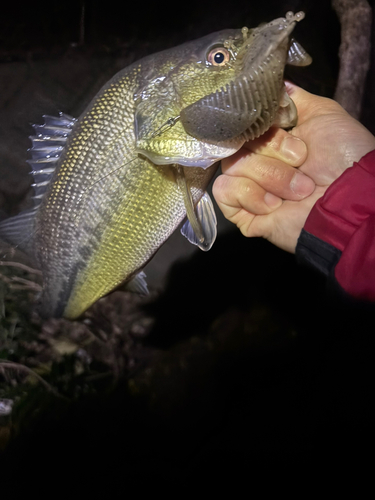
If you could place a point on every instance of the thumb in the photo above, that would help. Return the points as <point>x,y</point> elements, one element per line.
<point>311,105</point>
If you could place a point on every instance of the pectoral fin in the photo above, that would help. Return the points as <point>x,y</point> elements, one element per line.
<point>207,219</point>
<point>200,228</point>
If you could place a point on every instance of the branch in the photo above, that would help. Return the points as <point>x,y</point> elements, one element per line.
<point>355,18</point>
<point>26,284</point>
<point>20,266</point>
<point>23,368</point>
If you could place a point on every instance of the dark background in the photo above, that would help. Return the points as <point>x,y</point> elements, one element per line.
<point>279,373</point>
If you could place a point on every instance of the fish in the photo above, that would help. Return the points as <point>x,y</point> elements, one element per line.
<point>111,186</point>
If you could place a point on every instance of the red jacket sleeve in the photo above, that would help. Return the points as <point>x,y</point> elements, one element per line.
<point>339,235</point>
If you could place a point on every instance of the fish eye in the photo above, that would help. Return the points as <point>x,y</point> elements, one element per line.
<point>219,56</point>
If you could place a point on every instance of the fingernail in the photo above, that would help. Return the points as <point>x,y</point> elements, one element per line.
<point>293,149</point>
<point>301,184</point>
<point>272,201</point>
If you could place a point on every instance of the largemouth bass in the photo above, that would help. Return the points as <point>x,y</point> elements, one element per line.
<point>112,186</point>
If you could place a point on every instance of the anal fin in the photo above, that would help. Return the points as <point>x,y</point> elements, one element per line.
<point>138,284</point>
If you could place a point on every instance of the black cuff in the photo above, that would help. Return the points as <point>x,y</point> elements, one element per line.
<point>316,253</point>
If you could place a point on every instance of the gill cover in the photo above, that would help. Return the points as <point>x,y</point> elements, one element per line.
<point>180,77</point>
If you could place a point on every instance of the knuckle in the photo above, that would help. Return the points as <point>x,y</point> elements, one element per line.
<point>269,171</point>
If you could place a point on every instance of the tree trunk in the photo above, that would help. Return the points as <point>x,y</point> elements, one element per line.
<point>355,18</point>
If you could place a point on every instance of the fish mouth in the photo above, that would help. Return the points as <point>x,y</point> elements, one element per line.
<point>248,104</point>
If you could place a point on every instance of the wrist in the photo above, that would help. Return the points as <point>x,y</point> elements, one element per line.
<point>339,237</point>
<point>345,205</point>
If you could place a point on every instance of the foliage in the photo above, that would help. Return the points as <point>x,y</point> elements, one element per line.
<point>54,363</point>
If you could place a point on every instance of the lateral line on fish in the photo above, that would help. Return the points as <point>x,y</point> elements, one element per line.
<point>82,193</point>
<point>29,236</point>
<point>107,175</point>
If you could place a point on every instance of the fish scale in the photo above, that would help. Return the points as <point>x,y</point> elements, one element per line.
<point>78,166</point>
<point>117,246</point>
<point>112,186</point>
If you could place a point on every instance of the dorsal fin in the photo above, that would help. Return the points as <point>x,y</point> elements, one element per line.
<point>47,145</point>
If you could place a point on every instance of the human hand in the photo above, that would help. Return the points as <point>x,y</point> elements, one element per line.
<point>261,190</point>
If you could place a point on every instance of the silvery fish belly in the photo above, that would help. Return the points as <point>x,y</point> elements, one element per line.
<point>112,186</point>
